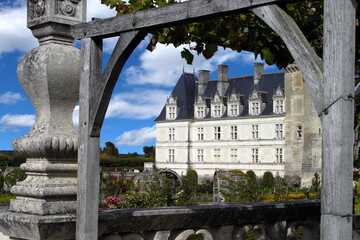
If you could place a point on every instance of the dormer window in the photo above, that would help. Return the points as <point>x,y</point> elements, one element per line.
<point>256,104</point>
<point>217,106</point>
<point>233,110</point>
<point>234,105</point>
<point>255,108</point>
<point>200,112</point>
<point>171,108</point>
<point>279,101</point>
<point>172,113</point>
<point>279,106</point>
<point>217,111</point>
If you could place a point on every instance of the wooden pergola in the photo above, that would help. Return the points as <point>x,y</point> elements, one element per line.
<point>330,82</point>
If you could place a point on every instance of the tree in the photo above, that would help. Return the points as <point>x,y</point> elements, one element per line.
<point>149,151</point>
<point>110,150</point>
<point>268,180</point>
<point>237,32</point>
<point>191,181</point>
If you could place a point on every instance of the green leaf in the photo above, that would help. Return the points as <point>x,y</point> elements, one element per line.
<point>187,55</point>
<point>268,56</point>
<point>210,49</point>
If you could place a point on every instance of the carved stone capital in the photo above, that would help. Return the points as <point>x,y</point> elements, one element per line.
<point>50,19</point>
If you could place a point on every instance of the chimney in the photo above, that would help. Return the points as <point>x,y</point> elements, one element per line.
<point>258,72</point>
<point>204,77</point>
<point>223,73</point>
<point>223,82</point>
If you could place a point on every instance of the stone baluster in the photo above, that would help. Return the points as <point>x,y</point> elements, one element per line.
<point>223,232</point>
<point>158,235</point>
<point>49,75</point>
<point>262,231</point>
<point>291,229</point>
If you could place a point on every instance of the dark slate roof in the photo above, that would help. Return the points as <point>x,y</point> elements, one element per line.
<point>186,89</point>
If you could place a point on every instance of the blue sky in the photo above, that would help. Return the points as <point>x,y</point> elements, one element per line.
<point>141,91</point>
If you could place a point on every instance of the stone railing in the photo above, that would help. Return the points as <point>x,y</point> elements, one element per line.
<point>275,220</point>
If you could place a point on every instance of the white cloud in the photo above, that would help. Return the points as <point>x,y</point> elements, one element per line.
<point>14,121</point>
<point>164,65</point>
<point>137,137</point>
<point>97,10</point>
<point>13,31</point>
<point>15,36</point>
<point>27,120</point>
<point>10,98</point>
<point>249,58</point>
<point>138,104</point>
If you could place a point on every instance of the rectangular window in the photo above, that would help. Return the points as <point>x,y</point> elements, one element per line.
<point>171,155</point>
<point>299,131</point>
<point>233,154</point>
<point>279,131</point>
<point>233,132</point>
<point>171,134</point>
<point>217,133</point>
<point>200,155</point>
<point>217,111</point>
<point>255,155</point>
<point>255,108</point>
<point>200,112</point>
<point>255,132</point>
<point>279,155</point>
<point>200,133</point>
<point>217,154</point>
<point>279,106</point>
<point>172,113</point>
<point>233,110</point>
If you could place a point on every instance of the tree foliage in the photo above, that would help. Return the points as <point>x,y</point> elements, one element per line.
<point>238,188</point>
<point>14,176</point>
<point>110,150</point>
<point>237,32</point>
<point>149,151</point>
<point>268,180</point>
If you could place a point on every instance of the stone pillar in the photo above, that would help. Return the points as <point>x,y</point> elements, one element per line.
<point>49,75</point>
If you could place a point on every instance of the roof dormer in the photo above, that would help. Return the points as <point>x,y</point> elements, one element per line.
<point>217,106</point>
<point>172,108</point>
<point>279,101</point>
<point>200,108</point>
<point>256,103</point>
<point>234,105</point>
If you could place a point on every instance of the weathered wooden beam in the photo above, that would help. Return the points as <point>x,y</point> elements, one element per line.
<point>338,120</point>
<point>190,11</point>
<point>309,63</point>
<point>126,44</point>
<point>89,148</point>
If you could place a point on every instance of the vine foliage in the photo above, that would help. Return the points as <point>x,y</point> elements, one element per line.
<point>237,32</point>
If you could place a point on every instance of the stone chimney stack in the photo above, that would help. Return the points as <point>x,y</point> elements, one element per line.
<point>204,77</point>
<point>223,79</point>
<point>258,72</point>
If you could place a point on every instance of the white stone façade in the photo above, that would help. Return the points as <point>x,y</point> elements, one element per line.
<point>262,123</point>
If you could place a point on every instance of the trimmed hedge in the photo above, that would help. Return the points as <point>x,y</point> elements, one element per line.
<point>125,162</point>
<point>11,161</point>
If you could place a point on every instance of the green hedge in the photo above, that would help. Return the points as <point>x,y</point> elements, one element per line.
<point>11,161</point>
<point>125,162</point>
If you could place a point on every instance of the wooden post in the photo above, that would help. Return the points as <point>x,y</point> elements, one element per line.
<point>89,149</point>
<point>338,119</point>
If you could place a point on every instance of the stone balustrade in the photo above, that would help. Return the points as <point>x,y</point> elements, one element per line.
<point>273,220</point>
<point>276,220</point>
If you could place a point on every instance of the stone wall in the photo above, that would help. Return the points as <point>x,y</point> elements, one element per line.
<point>303,142</point>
